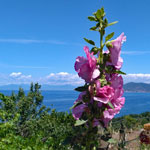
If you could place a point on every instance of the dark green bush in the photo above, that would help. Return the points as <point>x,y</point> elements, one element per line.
<point>25,123</point>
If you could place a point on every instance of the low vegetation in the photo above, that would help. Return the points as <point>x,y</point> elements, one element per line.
<point>25,123</point>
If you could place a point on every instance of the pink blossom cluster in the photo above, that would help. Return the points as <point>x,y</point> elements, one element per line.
<point>107,100</point>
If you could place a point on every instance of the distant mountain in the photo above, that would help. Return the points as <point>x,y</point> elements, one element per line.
<point>129,87</point>
<point>137,87</point>
<point>44,87</point>
<point>57,87</point>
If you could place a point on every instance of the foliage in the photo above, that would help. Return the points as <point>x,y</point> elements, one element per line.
<point>132,121</point>
<point>25,123</point>
<point>36,127</point>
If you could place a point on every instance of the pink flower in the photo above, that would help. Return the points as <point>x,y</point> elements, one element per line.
<point>117,84</point>
<point>110,113</point>
<point>117,100</point>
<point>115,51</point>
<point>103,94</point>
<point>107,116</point>
<point>117,103</point>
<point>86,67</point>
<point>116,81</point>
<point>80,97</point>
<point>78,110</point>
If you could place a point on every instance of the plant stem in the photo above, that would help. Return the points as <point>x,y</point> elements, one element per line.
<point>101,48</point>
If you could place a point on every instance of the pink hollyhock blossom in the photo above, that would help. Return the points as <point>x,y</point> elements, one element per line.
<point>110,113</point>
<point>117,84</point>
<point>115,51</point>
<point>118,93</point>
<point>117,100</point>
<point>103,94</point>
<point>80,96</point>
<point>78,110</point>
<point>116,81</point>
<point>118,103</point>
<point>86,67</point>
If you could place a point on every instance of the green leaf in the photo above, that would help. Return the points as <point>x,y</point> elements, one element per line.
<point>89,41</point>
<point>112,23</point>
<point>2,96</point>
<point>80,122</point>
<point>105,23</point>
<point>95,50</point>
<point>119,72</point>
<point>76,104</point>
<point>102,12</point>
<point>81,88</point>
<point>109,44</point>
<point>93,28</point>
<point>110,104</point>
<point>109,69</point>
<point>103,81</point>
<point>109,36</point>
<point>98,14</point>
<point>92,18</point>
<point>94,14</point>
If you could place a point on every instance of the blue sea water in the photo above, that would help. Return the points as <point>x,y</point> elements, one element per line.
<point>62,100</point>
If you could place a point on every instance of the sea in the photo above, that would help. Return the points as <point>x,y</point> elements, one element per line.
<point>135,103</point>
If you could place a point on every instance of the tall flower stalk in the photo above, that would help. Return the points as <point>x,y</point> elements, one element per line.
<point>100,99</point>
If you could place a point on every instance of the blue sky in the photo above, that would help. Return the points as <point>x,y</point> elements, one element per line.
<point>40,39</point>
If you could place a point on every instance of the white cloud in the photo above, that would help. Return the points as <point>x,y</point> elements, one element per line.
<point>145,78</point>
<point>16,78</point>
<point>51,75</point>
<point>63,73</point>
<point>19,75</point>
<point>15,74</point>
<point>25,77</point>
<point>61,78</point>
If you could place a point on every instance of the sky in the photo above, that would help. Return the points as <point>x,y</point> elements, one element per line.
<point>40,40</point>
